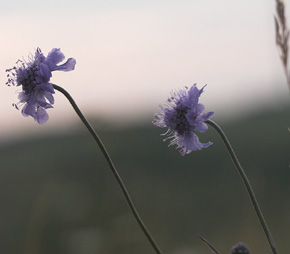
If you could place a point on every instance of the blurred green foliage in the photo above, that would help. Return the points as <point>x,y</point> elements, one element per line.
<point>57,194</point>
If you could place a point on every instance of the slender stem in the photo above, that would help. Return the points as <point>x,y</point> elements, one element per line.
<point>246,183</point>
<point>208,244</point>
<point>113,169</point>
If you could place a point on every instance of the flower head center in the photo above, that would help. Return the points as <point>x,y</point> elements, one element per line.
<point>182,124</point>
<point>27,77</point>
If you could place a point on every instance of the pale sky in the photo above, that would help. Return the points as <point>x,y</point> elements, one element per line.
<point>131,54</point>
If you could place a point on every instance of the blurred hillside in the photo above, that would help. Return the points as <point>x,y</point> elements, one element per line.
<point>57,194</point>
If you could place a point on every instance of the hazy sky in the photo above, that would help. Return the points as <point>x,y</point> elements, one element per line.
<point>131,54</point>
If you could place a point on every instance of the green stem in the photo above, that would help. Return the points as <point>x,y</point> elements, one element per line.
<point>246,183</point>
<point>112,167</point>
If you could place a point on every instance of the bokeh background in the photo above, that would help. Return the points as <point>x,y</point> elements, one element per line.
<point>57,194</point>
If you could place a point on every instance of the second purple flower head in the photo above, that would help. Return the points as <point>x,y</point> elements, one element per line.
<point>182,115</point>
<point>34,76</point>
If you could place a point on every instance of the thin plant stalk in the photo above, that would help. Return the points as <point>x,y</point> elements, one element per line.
<point>208,244</point>
<point>246,183</point>
<point>112,167</point>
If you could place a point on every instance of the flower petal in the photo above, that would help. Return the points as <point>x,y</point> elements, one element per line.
<point>49,97</point>
<point>205,116</point>
<point>45,73</point>
<point>192,144</point>
<point>44,104</point>
<point>199,108</point>
<point>41,116</point>
<point>201,127</point>
<point>28,110</point>
<point>192,98</point>
<point>54,57</point>
<point>69,65</point>
<point>48,87</point>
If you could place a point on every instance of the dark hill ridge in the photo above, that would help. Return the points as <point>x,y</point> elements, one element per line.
<point>57,194</point>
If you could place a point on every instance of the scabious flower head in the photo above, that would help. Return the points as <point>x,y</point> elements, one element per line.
<point>34,76</point>
<point>182,115</point>
<point>240,248</point>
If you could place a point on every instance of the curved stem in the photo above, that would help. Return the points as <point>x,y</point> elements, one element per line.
<point>113,169</point>
<point>246,183</point>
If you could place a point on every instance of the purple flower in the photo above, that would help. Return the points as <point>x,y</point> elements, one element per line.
<point>34,76</point>
<point>240,248</point>
<point>182,115</point>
